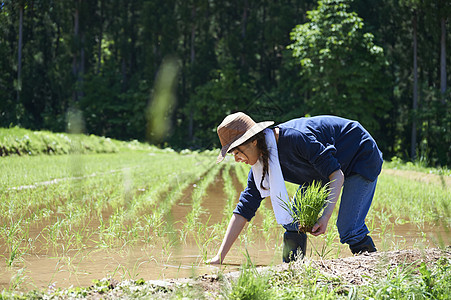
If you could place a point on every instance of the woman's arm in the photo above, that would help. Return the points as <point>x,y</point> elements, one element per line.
<point>336,182</point>
<point>235,227</point>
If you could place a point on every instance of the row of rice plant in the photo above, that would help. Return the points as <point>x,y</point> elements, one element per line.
<point>198,193</point>
<point>406,197</point>
<point>195,228</point>
<point>267,227</point>
<point>231,193</point>
<point>419,202</point>
<point>105,209</point>
<point>115,210</point>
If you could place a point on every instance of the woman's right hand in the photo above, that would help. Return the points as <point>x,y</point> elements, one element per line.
<point>236,224</point>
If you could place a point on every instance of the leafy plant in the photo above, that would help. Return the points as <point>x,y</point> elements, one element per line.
<point>337,59</point>
<point>307,203</point>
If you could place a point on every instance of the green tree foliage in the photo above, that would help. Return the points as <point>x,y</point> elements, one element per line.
<point>433,110</point>
<point>101,57</point>
<point>8,108</point>
<point>344,70</point>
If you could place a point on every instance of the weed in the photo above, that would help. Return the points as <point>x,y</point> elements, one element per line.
<point>249,285</point>
<point>14,235</point>
<point>18,279</point>
<point>326,248</point>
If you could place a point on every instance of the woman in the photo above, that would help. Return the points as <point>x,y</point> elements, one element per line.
<point>323,148</point>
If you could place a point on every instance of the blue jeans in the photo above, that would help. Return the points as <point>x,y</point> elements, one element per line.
<point>356,199</point>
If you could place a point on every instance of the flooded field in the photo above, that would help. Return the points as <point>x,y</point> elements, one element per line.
<point>158,260</point>
<point>126,239</point>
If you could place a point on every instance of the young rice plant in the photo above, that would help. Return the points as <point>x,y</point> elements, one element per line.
<point>307,203</point>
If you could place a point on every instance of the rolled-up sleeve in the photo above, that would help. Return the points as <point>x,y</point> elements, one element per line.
<point>250,199</point>
<point>322,157</point>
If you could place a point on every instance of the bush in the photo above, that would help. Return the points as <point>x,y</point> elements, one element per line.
<point>19,141</point>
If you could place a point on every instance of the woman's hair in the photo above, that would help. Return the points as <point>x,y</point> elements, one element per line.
<point>261,145</point>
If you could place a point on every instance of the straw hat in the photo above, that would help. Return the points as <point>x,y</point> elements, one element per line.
<point>236,129</point>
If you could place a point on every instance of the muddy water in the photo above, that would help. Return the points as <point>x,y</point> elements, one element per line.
<point>159,259</point>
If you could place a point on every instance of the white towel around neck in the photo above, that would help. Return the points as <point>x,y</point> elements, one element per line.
<point>273,181</point>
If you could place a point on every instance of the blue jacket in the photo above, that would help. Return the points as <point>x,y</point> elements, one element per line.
<point>312,149</point>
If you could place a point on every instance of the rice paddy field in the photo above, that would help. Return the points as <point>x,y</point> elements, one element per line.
<point>74,225</point>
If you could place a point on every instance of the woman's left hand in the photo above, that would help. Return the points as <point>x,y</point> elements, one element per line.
<point>336,182</point>
<point>320,226</point>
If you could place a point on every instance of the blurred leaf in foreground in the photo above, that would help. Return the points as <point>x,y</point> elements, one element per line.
<point>163,100</point>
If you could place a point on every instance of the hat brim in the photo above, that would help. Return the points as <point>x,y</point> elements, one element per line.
<point>258,127</point>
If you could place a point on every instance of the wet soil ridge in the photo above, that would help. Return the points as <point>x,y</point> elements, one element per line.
<point>363,269</point>
<point>357,271</point>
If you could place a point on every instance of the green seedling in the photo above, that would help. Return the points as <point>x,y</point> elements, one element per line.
<point>307,204</point>
<point>230,192</point>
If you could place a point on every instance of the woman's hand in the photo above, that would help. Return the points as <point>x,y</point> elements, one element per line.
<point>320,226</point>
<point>236,224</point>
<point>336,182</point>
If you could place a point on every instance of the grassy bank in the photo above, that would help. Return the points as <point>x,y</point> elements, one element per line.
<point>19,141</point>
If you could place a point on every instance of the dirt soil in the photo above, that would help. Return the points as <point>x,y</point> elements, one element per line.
<point>356,270</point>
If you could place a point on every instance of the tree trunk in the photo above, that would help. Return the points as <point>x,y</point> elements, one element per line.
<point>19,55</point>
<point>81,71</point>
<point>243,32</point>
<point>192,59</point>
<point>78,59</point>
<point>125,49</point>
<point>443,60</point>
<point>99,48</point>
<point>415,90</point>
<point>193,34</point>
<point>75,50</point>
<point>133,37</point>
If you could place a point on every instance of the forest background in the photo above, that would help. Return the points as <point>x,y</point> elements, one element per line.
<point>383,63</point>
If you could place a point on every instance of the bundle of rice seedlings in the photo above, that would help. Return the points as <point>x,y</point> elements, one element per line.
<point>306,205</point>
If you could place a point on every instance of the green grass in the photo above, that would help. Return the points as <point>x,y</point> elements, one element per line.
<point>417,166</point>
<point>404,197</point>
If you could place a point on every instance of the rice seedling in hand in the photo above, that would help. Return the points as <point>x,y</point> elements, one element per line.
<point>306,205</point>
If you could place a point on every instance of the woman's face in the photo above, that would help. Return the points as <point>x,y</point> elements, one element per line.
<point>247,153</point>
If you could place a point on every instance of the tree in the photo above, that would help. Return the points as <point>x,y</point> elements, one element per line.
<point>102,57</point>
<point>343,70</point>
<point>415,86</point>
<point>19,54</point>
<point>444,12</point>
<point>429,117</point>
